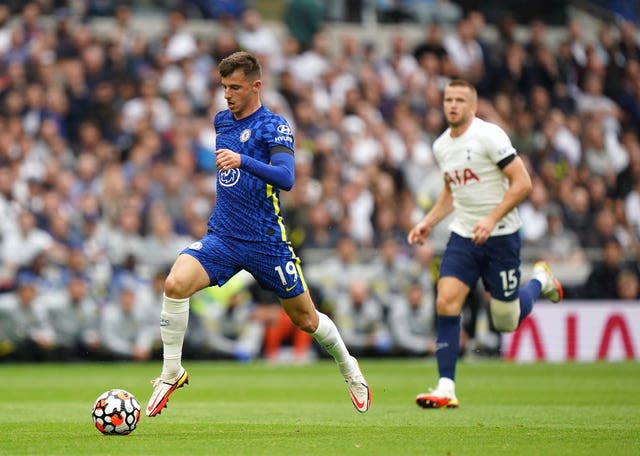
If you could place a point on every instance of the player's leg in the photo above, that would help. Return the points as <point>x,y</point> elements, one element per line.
<point>191,272</point>
<point>511,303</point>
<point>186,277</point>
<point>452,293</point>
<point>459,271</point>
<point>304,315</point>
<point>543,283</point>
<point>551,286</point>
<point>276,267</point>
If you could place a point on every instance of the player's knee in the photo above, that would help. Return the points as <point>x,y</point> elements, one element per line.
<point>176,288</point>
<point>505,315</point>
<point>447,306</point>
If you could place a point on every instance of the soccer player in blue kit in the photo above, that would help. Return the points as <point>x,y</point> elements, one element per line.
<point>484,181</point>
<point>255,159</point>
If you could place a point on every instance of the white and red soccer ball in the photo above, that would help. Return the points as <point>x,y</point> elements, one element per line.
<point>116,412</point>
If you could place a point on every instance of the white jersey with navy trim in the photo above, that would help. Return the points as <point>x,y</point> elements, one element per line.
<point>469,163</point>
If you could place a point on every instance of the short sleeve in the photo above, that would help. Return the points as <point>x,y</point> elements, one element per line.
<point>497,143</point>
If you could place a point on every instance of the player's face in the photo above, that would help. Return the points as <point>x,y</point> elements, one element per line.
<point>242,94</point>
<point>459,105</point>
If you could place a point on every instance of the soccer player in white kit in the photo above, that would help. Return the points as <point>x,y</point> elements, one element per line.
<point>484,181</point>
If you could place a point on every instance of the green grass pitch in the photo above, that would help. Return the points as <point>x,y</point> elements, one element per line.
<point>261,409</point>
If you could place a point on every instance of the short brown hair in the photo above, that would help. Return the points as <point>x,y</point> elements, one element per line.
<point>240,61</point>
<point>464,83</point>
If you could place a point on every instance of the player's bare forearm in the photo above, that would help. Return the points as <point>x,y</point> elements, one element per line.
<point>519,187</point>
<point>442,207</point>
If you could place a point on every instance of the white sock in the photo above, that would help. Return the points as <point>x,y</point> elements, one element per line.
<point>329,338</point>
<point>173,324</point>
<point>541,277</point>
<point>447,385</point>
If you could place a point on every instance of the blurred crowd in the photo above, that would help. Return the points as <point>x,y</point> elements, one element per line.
<point>107,171</point>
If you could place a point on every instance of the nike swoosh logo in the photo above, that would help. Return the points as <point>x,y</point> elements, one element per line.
<point>169,391</point>
<point>291,287</point>
<point>359,405</point>
<point>507,294</point>
<point>150,407</point>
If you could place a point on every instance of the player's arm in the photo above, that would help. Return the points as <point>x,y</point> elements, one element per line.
<point>280,172</point>
<point>519,188</point>
<point>442,207</point>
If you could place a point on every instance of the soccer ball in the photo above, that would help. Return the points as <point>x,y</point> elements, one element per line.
<point>116,412</point>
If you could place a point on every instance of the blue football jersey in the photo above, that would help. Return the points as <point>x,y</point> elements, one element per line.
<point>247,207</point>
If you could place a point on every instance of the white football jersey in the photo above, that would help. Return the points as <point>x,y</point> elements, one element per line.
<point>469,164</point>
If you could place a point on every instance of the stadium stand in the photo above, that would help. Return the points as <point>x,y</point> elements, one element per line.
<point>106,149</point>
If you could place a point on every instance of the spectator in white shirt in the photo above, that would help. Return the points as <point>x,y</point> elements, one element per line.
<point>22,245</point>
<point>255,37</point>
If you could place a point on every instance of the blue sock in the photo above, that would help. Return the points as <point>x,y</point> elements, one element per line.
<point>528,295</point>
<point>448,345</point>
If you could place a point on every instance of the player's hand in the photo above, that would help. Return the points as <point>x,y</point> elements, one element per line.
<point>419,233</point>
<point>227,159</point>
<point>482,230</point>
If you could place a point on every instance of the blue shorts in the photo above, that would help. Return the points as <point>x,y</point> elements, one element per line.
<point>496,262</point>
<point>274,266</point>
